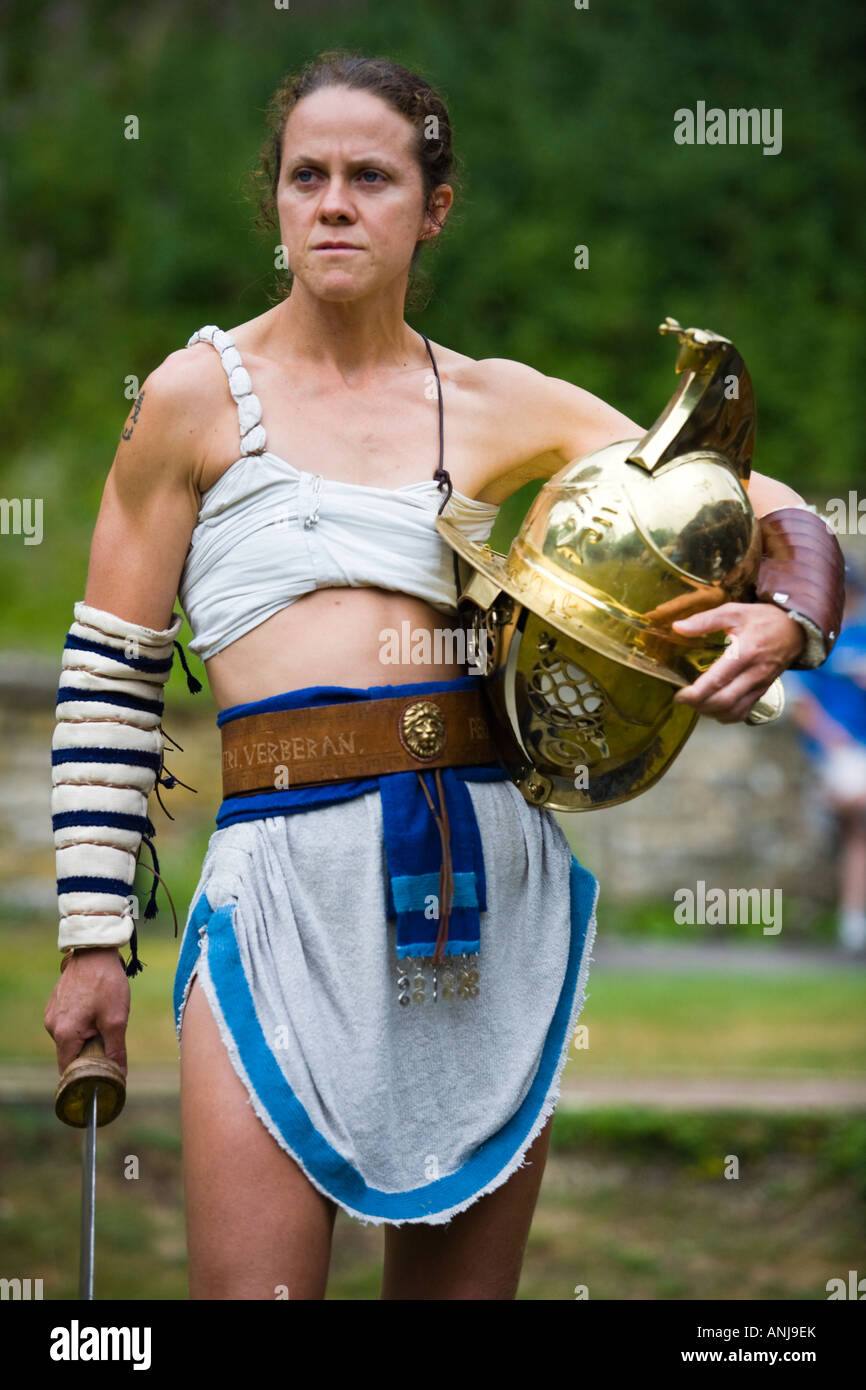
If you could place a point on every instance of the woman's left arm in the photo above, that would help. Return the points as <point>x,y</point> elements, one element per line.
<point>551,422</point>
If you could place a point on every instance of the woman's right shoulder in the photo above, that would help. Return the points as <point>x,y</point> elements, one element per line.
<point>171,421</point>
<point>189,378</point>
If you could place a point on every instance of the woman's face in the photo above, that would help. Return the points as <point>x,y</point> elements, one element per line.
<point>348,175</point>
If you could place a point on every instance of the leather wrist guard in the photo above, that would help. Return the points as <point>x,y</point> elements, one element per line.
<point>803,572</point>
<point>107,754</point>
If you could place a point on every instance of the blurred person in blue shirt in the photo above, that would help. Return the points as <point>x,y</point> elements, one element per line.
<point>828,706</point>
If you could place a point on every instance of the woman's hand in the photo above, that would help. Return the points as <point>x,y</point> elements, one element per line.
<point>764,641</point>
<point>91,996</point>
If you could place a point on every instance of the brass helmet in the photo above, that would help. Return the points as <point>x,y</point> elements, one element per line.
<point>572,627</point>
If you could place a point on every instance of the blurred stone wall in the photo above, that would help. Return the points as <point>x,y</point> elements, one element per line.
<point>736,808</point>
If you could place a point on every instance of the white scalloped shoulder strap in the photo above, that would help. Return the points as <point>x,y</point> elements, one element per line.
<point>252,431</point>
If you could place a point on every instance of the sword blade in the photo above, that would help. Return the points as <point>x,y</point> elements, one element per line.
<point>88,1203</point>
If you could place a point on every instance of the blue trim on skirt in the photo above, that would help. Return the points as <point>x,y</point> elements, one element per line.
<point>316,1155</point>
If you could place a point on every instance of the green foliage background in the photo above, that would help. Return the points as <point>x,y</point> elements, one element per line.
<point>114,251</point>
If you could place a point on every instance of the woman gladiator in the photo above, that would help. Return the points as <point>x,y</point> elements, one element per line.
<point>384,959</point>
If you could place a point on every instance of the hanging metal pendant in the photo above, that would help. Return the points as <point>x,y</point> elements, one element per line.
<point>419,984</point>
<point>468,979</point>
<point>403,995</point>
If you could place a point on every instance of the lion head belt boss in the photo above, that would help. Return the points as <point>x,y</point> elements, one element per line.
<point>580,662</point>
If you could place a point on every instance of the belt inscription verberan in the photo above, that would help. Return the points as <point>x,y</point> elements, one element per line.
<point>318,744</point>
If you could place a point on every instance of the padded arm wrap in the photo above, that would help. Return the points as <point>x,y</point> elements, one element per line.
<point>803,571</point>
<point>106,753</point>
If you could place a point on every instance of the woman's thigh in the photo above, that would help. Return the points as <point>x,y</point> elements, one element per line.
<point>479,1254</point>
<point>254,1221</point>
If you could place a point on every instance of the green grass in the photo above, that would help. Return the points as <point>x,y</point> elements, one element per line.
<point>645,1022</point>
<point>698,1143</point>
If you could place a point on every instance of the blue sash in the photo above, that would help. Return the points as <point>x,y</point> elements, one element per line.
<point>413,846</point>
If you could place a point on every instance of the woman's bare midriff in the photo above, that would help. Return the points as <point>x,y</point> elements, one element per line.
<point>333,637</point>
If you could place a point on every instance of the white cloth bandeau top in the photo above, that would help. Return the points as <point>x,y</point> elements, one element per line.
<point>268,533</point>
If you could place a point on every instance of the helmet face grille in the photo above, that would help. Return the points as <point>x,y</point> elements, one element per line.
<point>593,729</point>
<point>485,630</point>
<point>566,697</point>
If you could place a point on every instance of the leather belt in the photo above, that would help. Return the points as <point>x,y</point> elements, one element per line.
<point>361,738</point>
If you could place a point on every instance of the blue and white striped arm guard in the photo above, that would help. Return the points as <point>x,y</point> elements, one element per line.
<point>106,756</point>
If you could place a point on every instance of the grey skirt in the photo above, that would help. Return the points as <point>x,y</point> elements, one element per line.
<point>398,1114</point>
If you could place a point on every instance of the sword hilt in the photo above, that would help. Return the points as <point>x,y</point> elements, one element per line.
<point>91,1068</point>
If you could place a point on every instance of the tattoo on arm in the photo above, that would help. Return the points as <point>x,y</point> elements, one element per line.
<point>136,411</point>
